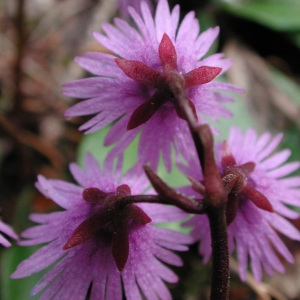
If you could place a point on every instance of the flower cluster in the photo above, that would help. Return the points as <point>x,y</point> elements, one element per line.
<point>158,83</point>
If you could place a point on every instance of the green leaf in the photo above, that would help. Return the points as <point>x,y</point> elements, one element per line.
<point>281,15</point>
<point>291,140</point>
<point>290,87</point>
<point>93,143</point>
<point>18,289</point>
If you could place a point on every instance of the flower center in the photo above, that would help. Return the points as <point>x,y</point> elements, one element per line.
<point>115,215</point>
<point>235,177</point>
<point>166,82</point>
<point>236,183</point>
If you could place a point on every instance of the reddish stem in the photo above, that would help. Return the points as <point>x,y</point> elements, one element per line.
<point>220,253</point>
<point>215,198</point>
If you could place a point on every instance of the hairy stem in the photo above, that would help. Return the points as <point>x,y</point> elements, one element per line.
<point>220,254</point>
<point>215,197</point>
<point>171,196</point>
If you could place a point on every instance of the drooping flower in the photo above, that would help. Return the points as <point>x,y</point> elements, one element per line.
<point>258,203</point>
<point>101,244</point>
<point>134,85</point>
<point>6,229</point>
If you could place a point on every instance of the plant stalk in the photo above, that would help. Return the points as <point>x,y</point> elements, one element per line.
<point>220,253</point>
<point>215,199</point>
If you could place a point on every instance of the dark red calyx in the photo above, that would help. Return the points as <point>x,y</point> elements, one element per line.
<point>228,159</point>
<point>247,167</point>
<point>257,198</point>
<point>139,71</point>
<point>120,241</point>
<point>94,195</point>
<point>138,215</point>
<point>123,190</point>
<point>167,54</point>
<point>200,75</point>
<point>146,110</point>
<point>232,208</point>
<point>111,217</point>
<point>89,228</point>
<point>234,177</point>
<point>236,182</point>
<point>163,81</point>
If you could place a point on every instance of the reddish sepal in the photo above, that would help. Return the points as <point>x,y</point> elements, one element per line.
<point>138,215</point>
<point>123,190</point>
<point>200,75</point>
<point>139,71</point>
<point>228,159</point>
<point>231,208</point>
<point>87,229</point>
<point>145,111</point>
<point>94,195</point>
<point>257,198</point>
<point>248,167</point>
<point>120,241</point>
<point>167,54</point>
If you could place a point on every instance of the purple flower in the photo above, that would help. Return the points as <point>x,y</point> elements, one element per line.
<point>257,207</point>
<point>134,86</point>
<point>99,245</point>
<point>136,4</point>
<point>4,228</point>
